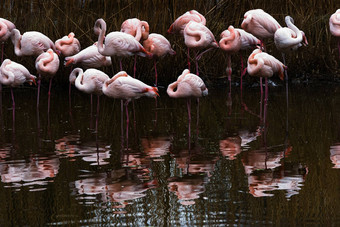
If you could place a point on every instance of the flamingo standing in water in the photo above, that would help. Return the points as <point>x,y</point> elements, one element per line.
<point>232,41</point>
<point>91,82</point>
<point>179,24</point>
<point>13,74</point>
<point>188,85</point>
<point>124,87</point>
<point>47,64</point>
<point>31,43</point>
<point>334,26</point>
<point>138,29</point>
<point>68,46</point>
<point>261,64</point>
<point>117,43</point>
<point>197,36</point>
<point>158,46</point>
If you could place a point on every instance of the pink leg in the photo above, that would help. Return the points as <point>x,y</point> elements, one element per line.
<point>265,102</point>
<point>13,109</point>
<point>39,84</point>
<point>120,65</point>
<point>2,52</point>
<point>229,72</point>
<point>196,63</point>
<point>97,116</point>
<point>188,56</point>
<point>121,123</point>
<point>154,63</point>
<point>261,102</point>
<point>127,123</point>
<point>198,116</point>
<point>189,116</point>
<point>49,96</point>
<point>91,112</point>
<point>339,47</point>
<point>135,67</point>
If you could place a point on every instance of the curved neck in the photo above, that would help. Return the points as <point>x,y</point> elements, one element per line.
<point>67,41</point>
<point>171,89</point>
<point>254,65</point>
<point>290,24</point>
<point>16,39</point>
<point>49,59</point>
<point>100,27</point>
<point>74,74</point>
<point>3,29</point>
<point>145,33</point>
<point>7,76</point>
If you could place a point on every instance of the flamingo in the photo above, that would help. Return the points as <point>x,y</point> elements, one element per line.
<point>89,58</point>
<point>188,85</point>
<point>68,45</point>
<point>261,64</point>
<point>288,39</point>
<point>14,74</point>
<point>334,26</point>
<point>91,82</point>
<point>178,26</point>
<point>180,23</point>
<point>6,28</point>
<point>31,43</point>
<point>47,64</point>
<point>139,30</point>
<point>124,87</point>
<point>260,24</point>
<point>158,46</point>
<point>197,36</point>
<point>117,43</point>
<point>232,41</point>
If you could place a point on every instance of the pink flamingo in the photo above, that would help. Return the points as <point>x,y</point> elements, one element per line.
<point>117,43</point>
<point>13,74</point>
<point>261,64</point>
<point>139,30</point>
<point>197,36</point>
<point>91,82</point>
<point>158,46</point>
<point>288,39</point>
<point>124,87</point>
<point>178,26</point>
<point>334,26</point>
<point>232,41</point>
<point>89,58</point>
<point>188,85</point>
<point>68,45</point>
<point>47,64</point>
<point>6,28</point>
<point>31,43</point>
<point>260,24</point>
<point>180,23</point>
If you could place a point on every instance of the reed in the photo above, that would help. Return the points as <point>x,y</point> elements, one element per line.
<point>57,18</point>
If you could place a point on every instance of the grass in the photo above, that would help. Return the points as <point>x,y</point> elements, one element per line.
<point>57,18</point>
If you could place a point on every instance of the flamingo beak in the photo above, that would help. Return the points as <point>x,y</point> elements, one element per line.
<point>33,81</point>
<point>156,91</point>
<point>170,29</point>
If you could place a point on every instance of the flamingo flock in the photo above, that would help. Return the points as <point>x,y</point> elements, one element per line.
<point>134,39</point>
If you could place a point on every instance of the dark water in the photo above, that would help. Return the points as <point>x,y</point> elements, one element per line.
<point>232,170</point>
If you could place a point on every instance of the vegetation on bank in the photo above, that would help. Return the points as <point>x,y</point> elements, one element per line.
<point>320,60</point>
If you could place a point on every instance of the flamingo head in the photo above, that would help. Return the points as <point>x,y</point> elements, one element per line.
<point>151,92</point>
<point>304,39</point>
<point>32,80</point>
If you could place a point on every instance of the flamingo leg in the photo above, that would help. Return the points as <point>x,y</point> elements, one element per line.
<point>49,96</point>
<point>91,111</point>
<point>121,123</point>
<point>127,123</point>
<point>155,63</point>
<point>287,101</point>
<point>120,65</point>
<point>188,57</point>
<point>339,47</point>
<point>135,67</point>
<point>198,116</point>
<point>13,110</point>
<point>196,63</point>
<point>39,84</point>
<point>229,71</point>
<point>2,51</point>
<point>97,116</point>
<point>261,102</point>
<point>265,103</point>
<point>69,95</point>
<point>189,117</point>
<point>243,72</point>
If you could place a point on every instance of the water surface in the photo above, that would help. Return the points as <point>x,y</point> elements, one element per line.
<point>55,169</point>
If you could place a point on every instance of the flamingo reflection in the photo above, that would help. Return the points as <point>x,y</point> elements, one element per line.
<point>156,147</point>
<point>197,169</point>
<point>267,173</point>
<point>94,152</point>
<point>34,173</point>
<point>335,155</point>
<point>113,186</point>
